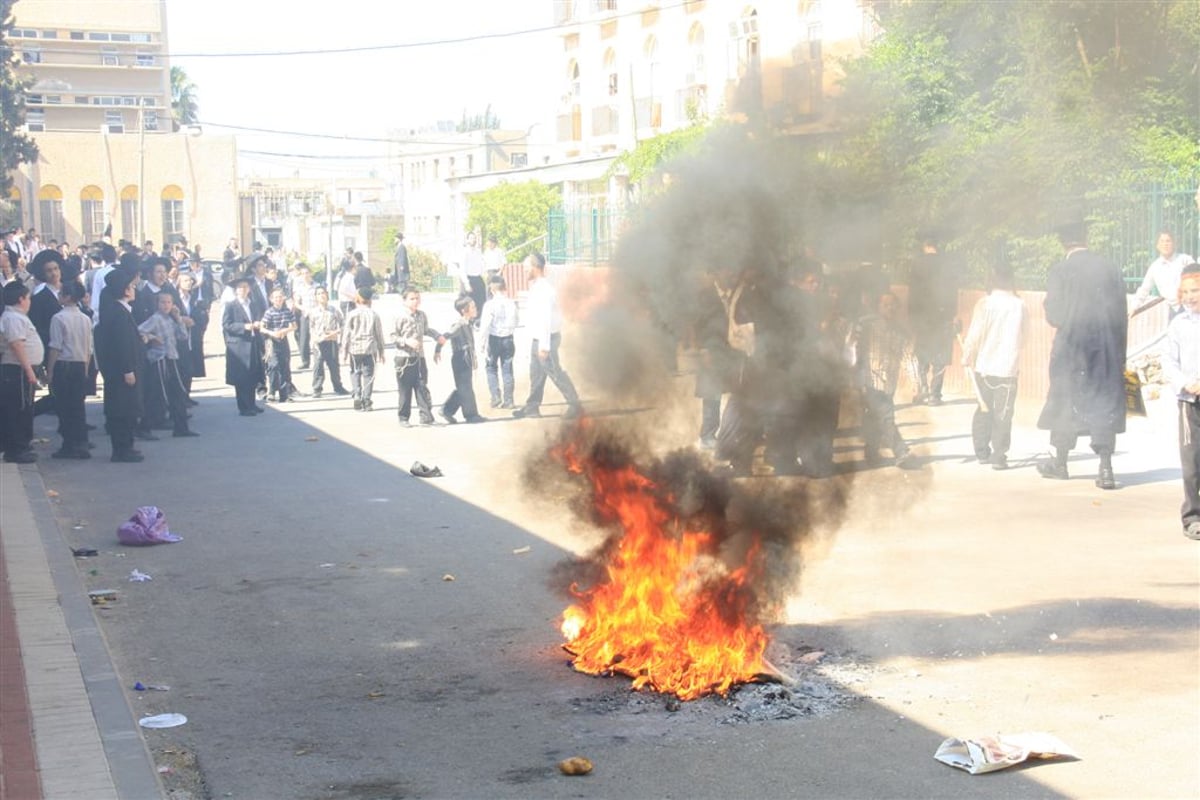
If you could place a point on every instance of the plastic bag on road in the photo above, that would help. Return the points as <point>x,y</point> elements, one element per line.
<point>148,525</point>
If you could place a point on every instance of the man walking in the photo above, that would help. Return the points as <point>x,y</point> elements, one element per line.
<point>1085,303</point>
<point>400,269</point>
<point>545,325</point>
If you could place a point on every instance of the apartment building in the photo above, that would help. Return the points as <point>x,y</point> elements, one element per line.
<point>99,109</point>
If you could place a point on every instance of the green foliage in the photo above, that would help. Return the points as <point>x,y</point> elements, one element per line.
<point>515,213</point>
<point>994,122</point>
<point>424,266</point>
<point>184,104</point>
<point>650,155</point>
<point>487,121</point>
<point>15,148</point>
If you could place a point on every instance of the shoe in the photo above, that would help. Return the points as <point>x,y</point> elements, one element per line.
<point>1106,479</point>
<point>248,413</point>
<point>573,412</point>
<point>23,457</point>
<point>405,423</point>
<point>476,419</point>
<point>999,463</point>
<point>935,401</point>
<point>127,458</point>
<point>421,471</point>
<point>71,453</point>
<point>316,395</point>
<point>192,403</point>
<point>449,419</point>
<point>495,402</point>
<point>341,392</point>
<point>368,406</point>
<point>1053,470</point>
<point>907,461</point>
<point>90,445</point>
<point>526,411</point>
<point>145,436</point>
<point>259,410</point>
<point>90,426</point>
<point>358,405</point>
<point>983,458</point>
<point>184,434</point>
<point>872,458</point>
<point>428,421</point>
<point>918,400</point>
<point>1192,531</point>
<point>507,404</point>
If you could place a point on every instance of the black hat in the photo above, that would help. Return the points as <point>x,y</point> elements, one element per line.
<point>254,259</point>
<point>117,280</point>
<point>239,277</point>
<point>37,267</point>
<point>107,252</point>
<point>366,293</point>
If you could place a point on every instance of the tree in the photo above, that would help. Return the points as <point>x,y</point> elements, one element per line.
<point>991,121</point>
<point>487,121</point>
<point>15,148</point>
<point>649,156</point>
<point>183,98</point>
<point>515,213</point>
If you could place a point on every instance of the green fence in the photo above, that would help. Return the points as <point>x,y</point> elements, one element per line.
<point>1126,227</point>
<point>581,236</point>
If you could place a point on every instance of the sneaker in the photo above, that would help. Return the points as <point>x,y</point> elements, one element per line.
<point>368,406</point>
<point>145,436</point>
<point>405,423</point>
<point>248,413</point>
<point>1053,470</point>
<point>23,457</point>
<point>935,401</point>
<point>707,443</point>
<point>526,411</point>
<point>1192,531</point>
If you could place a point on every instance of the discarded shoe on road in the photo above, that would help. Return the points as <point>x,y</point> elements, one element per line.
<point>421,471</point>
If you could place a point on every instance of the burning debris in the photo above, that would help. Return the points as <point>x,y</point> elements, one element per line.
<point>694,566</point>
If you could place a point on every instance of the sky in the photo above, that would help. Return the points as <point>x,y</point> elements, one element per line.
<point>411,83</point>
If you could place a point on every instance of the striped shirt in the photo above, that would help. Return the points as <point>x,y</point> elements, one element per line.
<point>276,319</point>
<point>364,333</point>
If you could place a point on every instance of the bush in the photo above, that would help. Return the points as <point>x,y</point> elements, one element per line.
<point>424,266</point>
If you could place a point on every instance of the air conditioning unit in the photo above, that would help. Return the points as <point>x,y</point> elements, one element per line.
<point>112,128</point>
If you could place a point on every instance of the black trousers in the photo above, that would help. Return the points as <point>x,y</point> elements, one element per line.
<point>154,395</point>
<point>279,368</point>
<point>879,424</point>
<point>362,377</point>
<point>120,433</point>
<point>16,410</point>
<point>463,396</point>
<point>1189,458</point>
<point>327,356</point>
<point>69,386</point>
<point>991,427</point>
<point>244,392</point>
<point>303,340</point>
<point>412,378</point>
<point>478,291</point>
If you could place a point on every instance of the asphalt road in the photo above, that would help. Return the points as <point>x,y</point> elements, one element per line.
<point>306,628</point>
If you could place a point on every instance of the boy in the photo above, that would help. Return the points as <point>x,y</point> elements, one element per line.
<point>1181,364</point>
<point>362,344</point>
<point>881,348</point>
<point>462,362</point>
<point>497,322</point>
<point>70,357</point>
<point>277,323</point>
<point>992,351</point>
<point>412,373</point>
<point>164,393</point>
<point>22,351</point>
<point>325,328</point>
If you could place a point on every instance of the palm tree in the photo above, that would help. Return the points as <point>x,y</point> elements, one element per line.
<point>183,98</point>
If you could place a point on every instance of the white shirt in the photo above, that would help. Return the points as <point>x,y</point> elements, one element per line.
<point>993,342</point>
<point>543,317</point>
<point>1163,275</point>
<point>493,259</point>
<point>98,276</point>
<point>472,262</point>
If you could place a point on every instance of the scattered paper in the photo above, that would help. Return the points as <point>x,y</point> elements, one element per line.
<point>51,493</point>
<point>520,551</point>
<point>991,753</point>
<point>312,438</point>
<point>137,576</point>
<point>163,721</point>
<point>447,577</point>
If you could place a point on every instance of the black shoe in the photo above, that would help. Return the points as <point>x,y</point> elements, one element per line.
<point>507,404</point>
<point>259,410</point>
<point>127,458</point>
<point>449,419</point>
<point>526,411</point>
<point>1106,479</point>
<point>23,457</point>
<point>907,461</point>
<point>476,419</point>
<point>192,403</point>
<point>182,434</point>
<point>495,402</point>
<point>248,413</point>
<point>341,392</point>
<point>316,395</point>
<point>405,423</point>
<point>358,405</point>
<point>428,421</point>
<point>368,406</point>
<point>1053,470</point>
<point>70,452</point>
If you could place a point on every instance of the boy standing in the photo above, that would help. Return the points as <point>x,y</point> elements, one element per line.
<point>325,327</point>
<point>277,323</point>
<point>362,344</point>
<point>1181,363</point>
<point>992,351</point>
<point>412,373</point>
<point>881,348</point>
<point>165,393</point>
<point>462,362</point>
<point>71,347</point>
<point>22,352</point>
<point>497,322</point>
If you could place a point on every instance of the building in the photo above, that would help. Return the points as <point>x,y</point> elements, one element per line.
<point>99,109</point>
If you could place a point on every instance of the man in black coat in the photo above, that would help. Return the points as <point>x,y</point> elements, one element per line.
<point>119,351</point>
<point>243,348</point>
<point>46,268</point>
<point>1085,303</point>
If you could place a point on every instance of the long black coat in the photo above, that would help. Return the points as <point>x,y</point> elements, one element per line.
<point>43,306</point>
<point>119,351</point>
<point>199,314</point>
<point>1085,303</point>
<point>243,348</point>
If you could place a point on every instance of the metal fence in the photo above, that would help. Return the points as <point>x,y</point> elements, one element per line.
<point>582,236</point>
<point>1126,227</point>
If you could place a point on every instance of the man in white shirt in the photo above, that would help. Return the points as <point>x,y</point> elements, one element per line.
<point>992,351</point>
<point>472,271</point>
<point>497,324</point>
<point>1163,274</point>
<point>545,328</point>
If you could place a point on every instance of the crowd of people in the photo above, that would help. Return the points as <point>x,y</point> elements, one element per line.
<point>777,351</point>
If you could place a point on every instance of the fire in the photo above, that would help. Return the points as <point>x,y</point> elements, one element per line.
<point>669,613</point>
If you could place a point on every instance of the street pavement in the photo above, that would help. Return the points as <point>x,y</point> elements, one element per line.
<point>308,628</point>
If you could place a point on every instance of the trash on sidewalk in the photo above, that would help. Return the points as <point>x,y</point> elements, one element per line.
<point>163,721</point>
<point>51,493</point>
<point>137,576</point>
<point>447,577</point>
<point>101,596</point>
<point>148,525</point>
<point>991,753</point>
<point>520,551</point>
<point>421,471</point>
<point>153,687</point>
<point>575,765</point>
<point>84,552</point>
<point>312,438</point>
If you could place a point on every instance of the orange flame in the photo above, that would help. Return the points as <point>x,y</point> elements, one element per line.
<point>670,614</point>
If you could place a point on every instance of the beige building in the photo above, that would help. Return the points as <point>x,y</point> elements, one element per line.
<point>99,109</point>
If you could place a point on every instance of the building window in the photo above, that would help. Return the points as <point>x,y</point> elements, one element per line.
<point>149,120</point>
<point>121,37</point>
<point>35,120</point>
<point>50,213</point>
<point>143,38</point>
<point>172,214</point>
<point>31,56</point>
<point>54,99</point>
<point>34,100</point>
<point>108,57</point>
<point>144,60</point>
<point>114,122</point>
<point>518,160</point>
<point>49,34</point>
<point>97,36</point>
<point>129,214</point>
<point>610,67</point>
<point>77,36</point>
<point>91,217</point>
